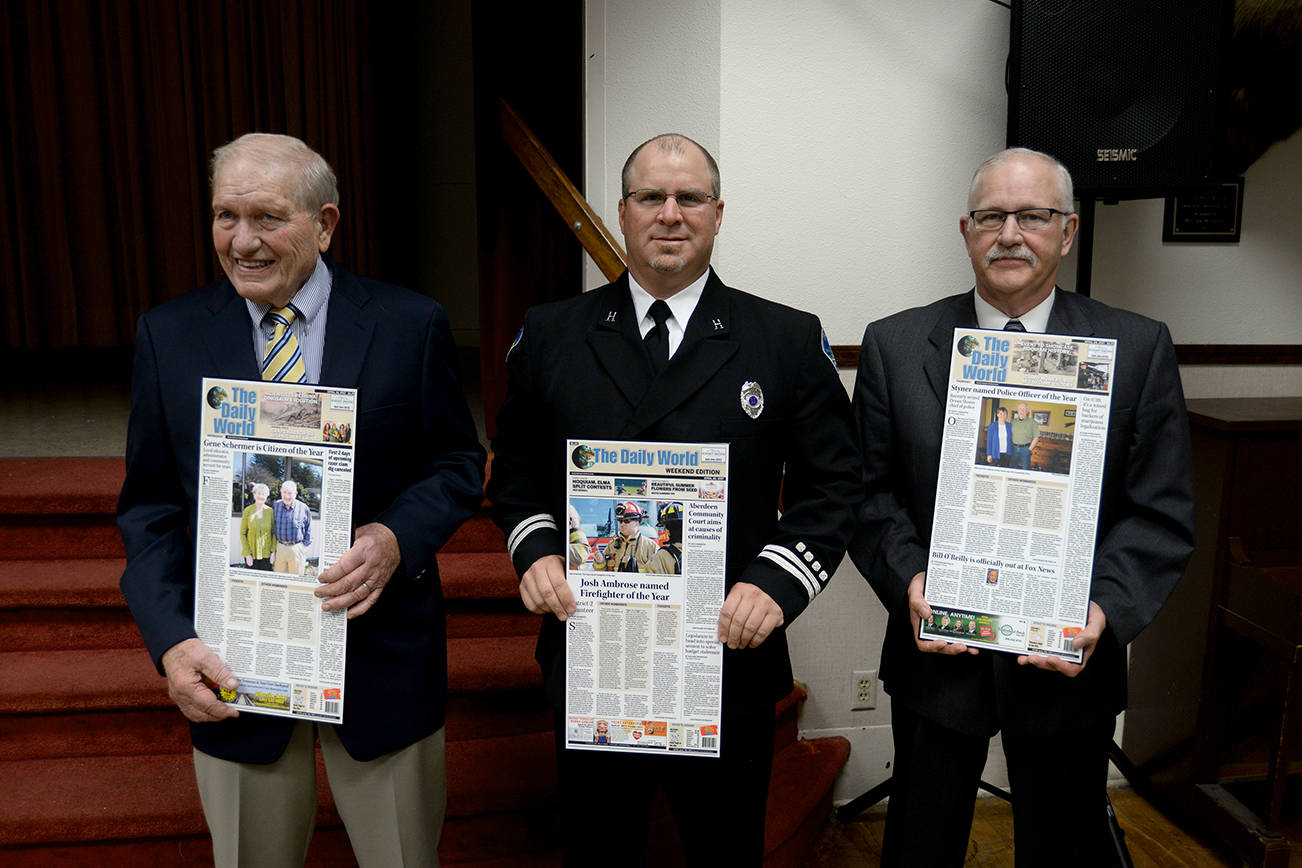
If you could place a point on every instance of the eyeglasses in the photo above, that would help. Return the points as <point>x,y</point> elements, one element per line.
<point>654,200</point>
<point>1031,219</point>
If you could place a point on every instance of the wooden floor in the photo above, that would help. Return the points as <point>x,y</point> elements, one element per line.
<point>1153,841</point>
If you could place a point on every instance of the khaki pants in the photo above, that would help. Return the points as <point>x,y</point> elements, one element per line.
<point>263,816</point>
<point>290,559</point>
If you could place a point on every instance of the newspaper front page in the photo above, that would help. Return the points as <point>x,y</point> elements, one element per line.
<point>275,509</point>
<point>1021,468</point>
<point>647,541</point>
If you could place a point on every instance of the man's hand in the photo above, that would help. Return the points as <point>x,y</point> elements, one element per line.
<point>357,579</point>
<point>193,670</point>
<point>748,617</point>
<point>544,588</point>
<point>248,560</point>
<point>601,557</point>
<point>919,611</point>
<point>1087,639</point>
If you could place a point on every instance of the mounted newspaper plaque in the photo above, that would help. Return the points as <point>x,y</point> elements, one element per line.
<point>275,510</point>
<point>1012,542</point>
<point>647,542</point>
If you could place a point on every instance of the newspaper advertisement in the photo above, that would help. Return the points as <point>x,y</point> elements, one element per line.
<point>647,541</point>
<point>1017,500</point>
<point>275,510</point>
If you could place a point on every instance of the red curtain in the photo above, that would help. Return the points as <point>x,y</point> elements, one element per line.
<point>110,112</point>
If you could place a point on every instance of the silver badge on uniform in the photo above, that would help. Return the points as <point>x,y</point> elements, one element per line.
<point>752,399</point>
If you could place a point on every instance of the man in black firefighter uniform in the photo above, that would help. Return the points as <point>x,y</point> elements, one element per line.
<point>669,353</point>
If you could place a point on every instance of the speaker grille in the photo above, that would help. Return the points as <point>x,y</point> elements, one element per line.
<point>1124,93</point>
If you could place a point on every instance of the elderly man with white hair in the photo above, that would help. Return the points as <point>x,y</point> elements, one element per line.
<point>285,311</point>
<point>293,525</point>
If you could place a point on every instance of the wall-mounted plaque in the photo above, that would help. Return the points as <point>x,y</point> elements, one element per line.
<point>1212,212</point>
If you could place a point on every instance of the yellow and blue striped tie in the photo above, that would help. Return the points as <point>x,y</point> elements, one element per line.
<point>283,360</point>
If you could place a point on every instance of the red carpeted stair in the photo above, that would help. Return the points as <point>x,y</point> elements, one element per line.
<point>96,760</point>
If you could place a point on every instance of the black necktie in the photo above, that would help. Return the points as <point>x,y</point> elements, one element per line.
<point>657,340</point>
<point>1014,325</point>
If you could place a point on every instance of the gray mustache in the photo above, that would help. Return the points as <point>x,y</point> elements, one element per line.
<point>1021,251</point>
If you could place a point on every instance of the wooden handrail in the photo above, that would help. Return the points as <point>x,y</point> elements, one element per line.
<point>564,196</point>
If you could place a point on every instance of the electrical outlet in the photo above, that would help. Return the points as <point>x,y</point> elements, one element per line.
<point>863,689</point>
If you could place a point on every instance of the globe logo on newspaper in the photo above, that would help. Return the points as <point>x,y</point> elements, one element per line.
<point>216,395</point>
<point>967,344</point>
<point>583,457</point>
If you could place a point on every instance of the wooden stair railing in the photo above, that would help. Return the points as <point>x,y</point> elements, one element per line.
<point>596,239</point>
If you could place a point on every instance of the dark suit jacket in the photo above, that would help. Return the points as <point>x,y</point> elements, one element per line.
<point>418,470</point>
<point>580,370</point>
<point>1145,522</point>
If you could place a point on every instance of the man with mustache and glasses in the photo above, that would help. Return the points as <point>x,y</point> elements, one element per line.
<point>947,700</point>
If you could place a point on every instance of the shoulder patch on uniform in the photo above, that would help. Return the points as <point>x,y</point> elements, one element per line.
<point>827,347</point>
<point>515,343</point>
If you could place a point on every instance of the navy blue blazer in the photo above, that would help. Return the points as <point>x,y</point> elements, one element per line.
<point>1145,520</point>
<point>993,452</point>
<point>419,470</point>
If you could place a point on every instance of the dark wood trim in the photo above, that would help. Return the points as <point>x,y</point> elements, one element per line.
<point>847,355</point>
<point>1246,414</point>
<point>1239,354</point>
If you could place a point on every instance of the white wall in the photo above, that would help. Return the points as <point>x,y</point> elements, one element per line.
<point>850,130</point>
<point>847,131</point>
<point>1213,293</point>
<point>1245,293</point>
<point>650,67</point>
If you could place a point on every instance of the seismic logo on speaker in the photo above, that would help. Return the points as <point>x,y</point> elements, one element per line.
<point>1116,155</point>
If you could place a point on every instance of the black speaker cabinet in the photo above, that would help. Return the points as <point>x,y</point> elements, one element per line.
<point>1126,93</point>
